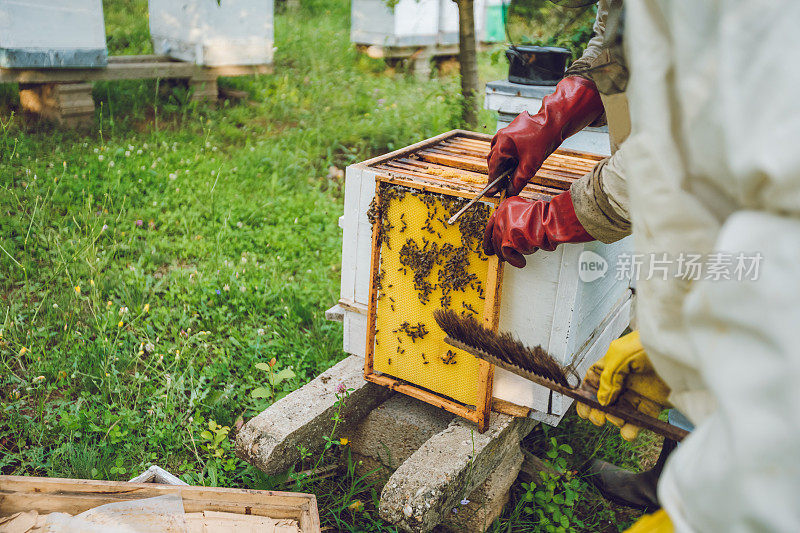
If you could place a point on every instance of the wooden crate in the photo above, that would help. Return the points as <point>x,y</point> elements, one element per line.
<point>544,303</point>
<point>74,496</point>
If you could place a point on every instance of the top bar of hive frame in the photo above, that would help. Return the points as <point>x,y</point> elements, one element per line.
<point>457,161</point>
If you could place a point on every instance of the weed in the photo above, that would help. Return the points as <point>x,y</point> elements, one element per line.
<point>559,493</point>
<point>278,382</point>
<point>552,498</point>
<point>342,394</point>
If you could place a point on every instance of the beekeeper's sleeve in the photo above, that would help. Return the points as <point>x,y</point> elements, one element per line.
<point>600,199</point>
<point>593,49</point>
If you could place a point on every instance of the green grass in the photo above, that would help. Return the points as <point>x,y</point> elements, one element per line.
<point>146,268</point>
<point>584,442</point>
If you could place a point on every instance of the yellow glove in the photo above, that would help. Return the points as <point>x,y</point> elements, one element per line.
<point>657,522</point>
<point>625,373</point>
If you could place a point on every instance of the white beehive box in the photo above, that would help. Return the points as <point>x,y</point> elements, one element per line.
<point>545,303</point>
<point>409,23</point>
<point>234,32</point>
<point>52,33</point>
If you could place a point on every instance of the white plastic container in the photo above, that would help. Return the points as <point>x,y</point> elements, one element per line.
<point>409,23</point>
<point>234,32</point>
<point>52,34</point>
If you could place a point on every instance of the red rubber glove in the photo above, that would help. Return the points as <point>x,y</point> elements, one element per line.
<point>519,226</point>
<point>528,140</point>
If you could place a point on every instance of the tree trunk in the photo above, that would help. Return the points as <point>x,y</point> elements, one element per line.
<point>468,60</point>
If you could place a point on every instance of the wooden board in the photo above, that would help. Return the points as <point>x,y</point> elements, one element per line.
<point>74,496</point>
<point>64,95</point>
<point>128,68</point>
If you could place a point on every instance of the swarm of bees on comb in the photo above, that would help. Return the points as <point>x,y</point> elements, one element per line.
<point>430,262</point>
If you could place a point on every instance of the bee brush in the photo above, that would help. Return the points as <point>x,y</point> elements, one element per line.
<point>535,364</point>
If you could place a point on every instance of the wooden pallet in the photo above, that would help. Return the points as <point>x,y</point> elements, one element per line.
<point>74,496</point>
<point>65,95</point>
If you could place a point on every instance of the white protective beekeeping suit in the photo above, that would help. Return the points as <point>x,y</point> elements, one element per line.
<point>713,162</point>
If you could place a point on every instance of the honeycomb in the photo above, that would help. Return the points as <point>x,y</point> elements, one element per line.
<point>426,264</point>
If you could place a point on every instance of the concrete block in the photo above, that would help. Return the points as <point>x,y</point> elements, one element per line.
<point>449,466</point>
<point>486,502</point>
<point>271,440</point>
<point>392,432</point>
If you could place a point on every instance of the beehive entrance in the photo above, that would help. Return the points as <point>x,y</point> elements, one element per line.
<point>426,264</point>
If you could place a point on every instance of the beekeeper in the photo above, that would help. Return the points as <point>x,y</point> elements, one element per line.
<point>595,207</point>
<point>714,170</point>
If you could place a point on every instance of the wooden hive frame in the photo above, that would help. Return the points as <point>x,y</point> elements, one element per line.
<point>465,153</point>
<point>480,413</point>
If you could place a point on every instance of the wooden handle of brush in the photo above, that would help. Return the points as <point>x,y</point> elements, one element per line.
<point>583,395</point>
<point>627,413</point>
